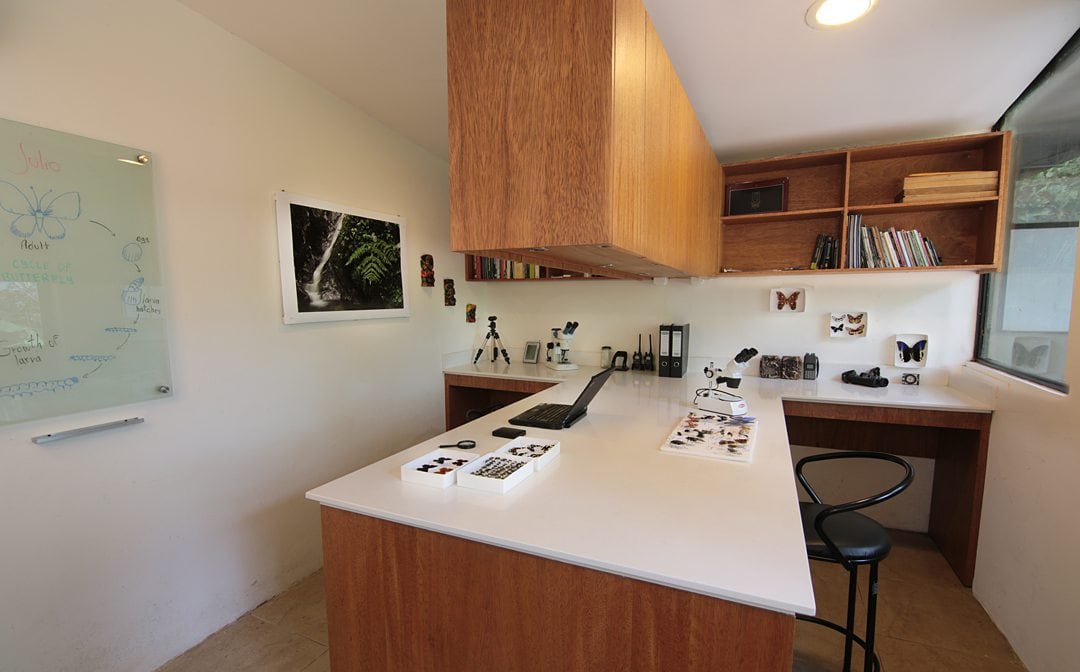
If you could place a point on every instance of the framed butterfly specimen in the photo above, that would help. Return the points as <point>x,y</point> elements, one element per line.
<point>911,350</point>
<point>848,324</point>
<point>787,300</point>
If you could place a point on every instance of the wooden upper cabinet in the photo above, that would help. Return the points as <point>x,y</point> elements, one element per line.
<point>572,142</point>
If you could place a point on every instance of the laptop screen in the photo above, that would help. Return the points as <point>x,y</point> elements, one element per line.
<point>589,392</point>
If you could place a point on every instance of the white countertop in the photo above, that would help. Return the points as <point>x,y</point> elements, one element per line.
<point>612,501</point>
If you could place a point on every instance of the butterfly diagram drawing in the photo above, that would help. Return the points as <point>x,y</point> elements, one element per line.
<point>44,213</point>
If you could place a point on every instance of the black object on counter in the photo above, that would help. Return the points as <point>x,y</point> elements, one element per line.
<point>618,361</point>
<point>871,378</point>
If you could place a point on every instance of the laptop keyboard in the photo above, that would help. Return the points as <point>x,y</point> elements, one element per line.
<point>548,413</point>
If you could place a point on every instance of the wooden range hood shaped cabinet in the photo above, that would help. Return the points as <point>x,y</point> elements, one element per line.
<point>572,142</point>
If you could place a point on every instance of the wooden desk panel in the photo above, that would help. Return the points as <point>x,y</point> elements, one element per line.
<point>957,441</point>
<point>402,599</point>
<point>464,393</point>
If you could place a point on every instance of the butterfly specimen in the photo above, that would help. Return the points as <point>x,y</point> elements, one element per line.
<point>857,331</point>
<point>39,213</point>
<point>792,300</point>
<point>912,353</point>
<point>855,319</point>
<point>1032,357</point>
<point>838,328</point>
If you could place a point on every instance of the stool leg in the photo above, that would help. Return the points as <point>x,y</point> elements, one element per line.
<point>853,582</point>
<point>871,618</point>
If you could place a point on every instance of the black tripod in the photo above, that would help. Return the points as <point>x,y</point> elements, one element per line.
<point>496,347</point>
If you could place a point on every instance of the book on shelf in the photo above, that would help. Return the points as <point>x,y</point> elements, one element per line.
<point>922,187</point>
<point>923,198</point>
<point>871,247</point>
<point>826,252</point>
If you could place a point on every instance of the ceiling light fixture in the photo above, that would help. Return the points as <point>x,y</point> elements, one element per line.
<point>834,13</point>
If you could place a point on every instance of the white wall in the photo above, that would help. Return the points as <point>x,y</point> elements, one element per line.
<point>1029,543</point>
<point>728,314</point>
<point>121,550</point>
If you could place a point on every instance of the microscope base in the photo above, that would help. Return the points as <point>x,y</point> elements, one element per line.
<point>722,406</point>
<point>565,366</point>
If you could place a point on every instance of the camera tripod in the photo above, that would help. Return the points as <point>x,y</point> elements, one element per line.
<point>496,347</point>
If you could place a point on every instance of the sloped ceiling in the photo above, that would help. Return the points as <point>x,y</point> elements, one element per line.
<point>761,81</point>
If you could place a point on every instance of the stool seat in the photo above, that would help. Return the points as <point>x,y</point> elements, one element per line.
<point>859,538</point>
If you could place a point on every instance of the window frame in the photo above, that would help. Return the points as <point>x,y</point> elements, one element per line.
<point>983,311</point>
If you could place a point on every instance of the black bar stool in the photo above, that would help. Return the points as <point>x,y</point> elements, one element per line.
<point>834,533</point>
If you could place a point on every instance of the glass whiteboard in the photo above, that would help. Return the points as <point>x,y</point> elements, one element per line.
<point>82,310</point>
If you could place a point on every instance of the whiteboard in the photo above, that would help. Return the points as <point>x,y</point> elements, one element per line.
<point>82,307</point>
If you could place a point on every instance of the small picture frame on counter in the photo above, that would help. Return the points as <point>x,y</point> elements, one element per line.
<point>532,352</point>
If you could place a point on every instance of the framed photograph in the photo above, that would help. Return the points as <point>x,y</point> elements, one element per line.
<point>532,352</point>
<point>339,263</point>
<point>751,198</point>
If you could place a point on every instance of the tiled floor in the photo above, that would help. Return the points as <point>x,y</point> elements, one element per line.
<point>285,634</point>
<point>927,622</point>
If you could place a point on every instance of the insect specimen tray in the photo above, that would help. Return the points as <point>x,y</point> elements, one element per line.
<point>715,436</point>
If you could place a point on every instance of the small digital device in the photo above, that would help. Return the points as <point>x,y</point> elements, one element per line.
<point>508,432</point>
<point>532,352</point>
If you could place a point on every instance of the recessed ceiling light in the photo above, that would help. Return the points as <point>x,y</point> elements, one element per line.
<point>834,13</point>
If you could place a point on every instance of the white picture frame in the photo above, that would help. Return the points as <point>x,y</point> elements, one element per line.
<point>322,280</point>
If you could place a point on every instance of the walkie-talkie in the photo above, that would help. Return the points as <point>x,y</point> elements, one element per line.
<point>648,362</point>
<point>637,365</point>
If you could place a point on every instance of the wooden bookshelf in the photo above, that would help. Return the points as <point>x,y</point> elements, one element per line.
<point>825,187</point>
<point>495,269</point>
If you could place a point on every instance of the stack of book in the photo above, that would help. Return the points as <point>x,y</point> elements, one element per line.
<point>920,187</point>
<point>869,247</point>
<point>826,252</point>
<point>489,268</point>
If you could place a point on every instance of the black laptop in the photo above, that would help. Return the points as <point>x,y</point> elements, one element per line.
<point>557,416</point>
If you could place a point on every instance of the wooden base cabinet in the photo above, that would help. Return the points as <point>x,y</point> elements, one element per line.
<point>572,142</point>
<point>402,599</point>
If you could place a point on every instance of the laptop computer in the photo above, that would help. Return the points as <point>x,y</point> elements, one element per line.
<point>558,416</point>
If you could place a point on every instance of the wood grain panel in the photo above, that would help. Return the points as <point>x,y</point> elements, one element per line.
<point>663,233</point>
<point>881,180</point>
<point>809,187</point>
<point>774,245</point>
<point>956,233</point>
<point>628,127</point>
<point>462,394</point>
<point>908,440</point>
<point>956,509</point>
<point>401,599</point>
<point>957,441</point>
<point>529,122</point>
<point>682,188</point>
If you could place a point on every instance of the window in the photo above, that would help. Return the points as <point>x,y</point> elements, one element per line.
<point>1024,310</point>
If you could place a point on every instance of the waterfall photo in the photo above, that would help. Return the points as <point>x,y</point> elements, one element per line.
<point>339,263</point>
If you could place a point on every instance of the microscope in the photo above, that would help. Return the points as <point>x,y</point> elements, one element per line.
<point>558,350</point>
<point>717,400</point>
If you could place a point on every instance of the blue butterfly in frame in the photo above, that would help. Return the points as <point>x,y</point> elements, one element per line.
<point>43,213</point>
<point>912,353</point>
